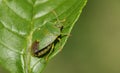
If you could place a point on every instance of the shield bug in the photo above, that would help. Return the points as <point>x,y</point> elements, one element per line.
<point>48,35</point>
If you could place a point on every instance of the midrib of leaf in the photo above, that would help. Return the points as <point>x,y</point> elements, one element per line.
<point>29,39</point>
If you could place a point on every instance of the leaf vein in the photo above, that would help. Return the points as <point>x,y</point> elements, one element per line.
<point>14,11</point>
<point>4,25</point>
<point>8,47</point>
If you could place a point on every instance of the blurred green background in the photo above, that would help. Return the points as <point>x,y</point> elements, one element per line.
<point>94,44</point>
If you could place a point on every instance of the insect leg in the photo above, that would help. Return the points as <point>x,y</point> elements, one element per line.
<point>51,50</point>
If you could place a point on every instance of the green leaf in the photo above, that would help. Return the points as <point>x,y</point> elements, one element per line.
<point>22,22</point>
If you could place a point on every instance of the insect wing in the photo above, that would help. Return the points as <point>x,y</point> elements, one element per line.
<point>46,35</point>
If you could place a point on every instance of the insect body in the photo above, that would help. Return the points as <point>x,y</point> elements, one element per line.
<point>48,36</point>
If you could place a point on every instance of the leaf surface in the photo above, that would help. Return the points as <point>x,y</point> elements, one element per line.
<point>24,21</point>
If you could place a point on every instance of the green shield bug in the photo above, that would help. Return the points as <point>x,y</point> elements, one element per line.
<point>47,35</point>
